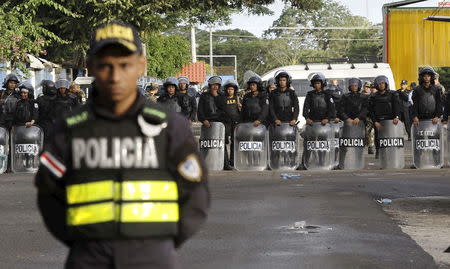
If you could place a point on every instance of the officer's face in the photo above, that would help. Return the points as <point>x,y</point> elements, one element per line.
<point>171,89</point>
<point>426,78</point>
<point>253,87</point>
<point>272,87</point>
<point>183,86</point>
<point>230,91</point>
<point>354,88</point>
<point>116,72</point>
<point>214,87</point>
<point>381,86</point>
<point>283,82</point>
<point>11,85</point>
<point>62,91</point>
<point>24,95</point>
<point>317,85</point>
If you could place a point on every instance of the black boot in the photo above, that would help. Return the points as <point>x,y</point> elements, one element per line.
<point>370,150</point>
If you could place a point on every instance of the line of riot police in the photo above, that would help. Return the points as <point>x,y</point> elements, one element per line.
<point>262,127</point>
<point>25,121</point>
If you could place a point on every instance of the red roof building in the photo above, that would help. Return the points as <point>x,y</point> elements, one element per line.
<point>196,72</point>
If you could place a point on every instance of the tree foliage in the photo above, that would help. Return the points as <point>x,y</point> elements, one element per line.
<point>166,54</point>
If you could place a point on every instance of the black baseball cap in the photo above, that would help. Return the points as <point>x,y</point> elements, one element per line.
<point>404,82</point>
<point>117,33</point>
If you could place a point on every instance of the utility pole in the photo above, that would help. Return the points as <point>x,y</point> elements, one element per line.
<point>211,60</point>
<point>193,45</point>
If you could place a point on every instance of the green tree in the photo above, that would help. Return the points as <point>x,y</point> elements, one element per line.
<point>166,54</point>
<point>21,34</point>
<point>332,14</point>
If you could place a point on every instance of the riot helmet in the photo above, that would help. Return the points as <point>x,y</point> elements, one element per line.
<point>215,80</point>
<point>318,77</point>
<point>171,81</point>
<point>427,70</point>
<point>10,77</point>
<point>231,83</point>
<point>48,88</point>
<point>355,81</point>
<point>183,79</point>
<point>380,79</point>
<point>255,79</point>
<point>283,74</point>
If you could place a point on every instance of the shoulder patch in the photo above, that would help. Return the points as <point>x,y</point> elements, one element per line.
<point>36,105</point>
<point>77,119</point>
<point>190,168</point>
<point>331,100</point>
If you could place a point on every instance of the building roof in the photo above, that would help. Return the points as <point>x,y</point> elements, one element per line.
<point>196,72</point>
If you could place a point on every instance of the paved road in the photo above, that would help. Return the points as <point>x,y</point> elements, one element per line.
<point>251,224</point>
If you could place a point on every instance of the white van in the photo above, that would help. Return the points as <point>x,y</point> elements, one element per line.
<point>341,72</point>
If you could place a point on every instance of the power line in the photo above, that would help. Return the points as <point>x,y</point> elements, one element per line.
<point>328,28</point>
<point>300,38</point>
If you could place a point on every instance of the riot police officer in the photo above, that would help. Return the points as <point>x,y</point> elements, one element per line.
<point>404,97</point>
<point>383,105</point>
<point>26,110</point>
<point>319,104</point>
<point>353,106</point>
<point>283,102</point>
<point>121,183</point>
<point>76,90</point>
<point>255,103</point>
<point>170,98</point>
<point>65,101</point>
<point>336,93</point>
<point>209,108</point>
<point>427,98</point>
<point>9,98</point>
<point>231,107</point>
<point>46,107</point>
<point>183,90</point>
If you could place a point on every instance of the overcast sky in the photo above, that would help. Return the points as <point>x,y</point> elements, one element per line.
<point>366,8</point>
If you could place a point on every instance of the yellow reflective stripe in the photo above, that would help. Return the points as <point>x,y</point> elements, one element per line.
<point>149,190</point>
<point>149,212</point>
<point>90,214</point>
<point>90,192</point>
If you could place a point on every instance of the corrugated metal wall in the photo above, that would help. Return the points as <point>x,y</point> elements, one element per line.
<point>414,42</point>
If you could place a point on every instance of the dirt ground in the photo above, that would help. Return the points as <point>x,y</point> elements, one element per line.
<point>427,221</point>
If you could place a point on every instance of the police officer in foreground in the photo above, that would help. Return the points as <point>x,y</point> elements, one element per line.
<point>383,105</point>
<point>255,103</point>
<point>353,106</point>
<point>46,107</point>
<point>427,98</point>
<point>209,106</point>
<point>191,105</point>
<point>133,188</point>
<point>9,98</point>
<point>404,97</point>
<point>283,102</point>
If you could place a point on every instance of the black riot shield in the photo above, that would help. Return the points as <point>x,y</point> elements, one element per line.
<point>4,149</point>
<point>212,145</point>
<point>26,143</point>
<point>337,132</point>
<point>391,145</point>
<point>250,147</point>
<point>318,147</point>
<point>427,142</point>
<point>351,146</point>
<point>283,143</point>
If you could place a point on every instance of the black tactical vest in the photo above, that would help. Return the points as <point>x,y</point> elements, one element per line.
<point>427,102</point>
<point>252,108</point>
<point>383,104</point>
<point>119,186</point>
<point>283,101</point>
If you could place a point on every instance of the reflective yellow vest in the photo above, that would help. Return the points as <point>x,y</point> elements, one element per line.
<point>120,203</point>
